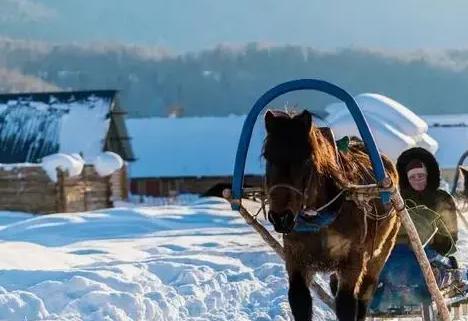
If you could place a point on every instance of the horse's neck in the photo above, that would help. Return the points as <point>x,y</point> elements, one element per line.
<point>322,190</point>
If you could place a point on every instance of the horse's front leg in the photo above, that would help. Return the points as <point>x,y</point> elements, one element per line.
<point>299,297</point>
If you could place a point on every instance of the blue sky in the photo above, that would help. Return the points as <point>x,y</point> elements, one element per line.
<point>186,25</point>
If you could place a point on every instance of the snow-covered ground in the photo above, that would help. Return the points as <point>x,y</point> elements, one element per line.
<point>197,262</point>
<point>188,262</point>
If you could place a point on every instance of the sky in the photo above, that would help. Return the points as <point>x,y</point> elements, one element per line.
<point>190,25</point>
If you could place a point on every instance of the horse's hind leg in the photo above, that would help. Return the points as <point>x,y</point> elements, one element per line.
<point>299,297</point>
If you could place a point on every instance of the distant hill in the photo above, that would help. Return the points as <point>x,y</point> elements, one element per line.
<point>228,80</point>
<point>14,81</point>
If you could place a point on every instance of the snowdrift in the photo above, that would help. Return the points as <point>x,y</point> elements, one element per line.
<point>394,126</point>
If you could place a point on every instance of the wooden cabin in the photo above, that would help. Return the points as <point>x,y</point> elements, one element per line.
<point>35,125</point>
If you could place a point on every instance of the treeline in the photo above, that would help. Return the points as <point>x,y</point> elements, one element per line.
<point>228,80</point>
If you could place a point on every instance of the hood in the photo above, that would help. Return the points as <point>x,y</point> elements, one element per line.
<point>433,171</point>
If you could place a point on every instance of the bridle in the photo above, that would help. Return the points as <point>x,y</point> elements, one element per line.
<point>304,195</point>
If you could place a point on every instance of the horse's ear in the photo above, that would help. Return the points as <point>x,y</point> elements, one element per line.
<point>464,171</point>
<point>269,121</point>
<point>306,119</point>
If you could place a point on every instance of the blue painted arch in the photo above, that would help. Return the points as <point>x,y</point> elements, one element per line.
<point>296,85</point>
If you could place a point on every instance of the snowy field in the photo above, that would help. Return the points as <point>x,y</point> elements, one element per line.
<point>187,262</point>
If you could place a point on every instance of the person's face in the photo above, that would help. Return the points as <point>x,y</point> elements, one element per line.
<point>418,181</point>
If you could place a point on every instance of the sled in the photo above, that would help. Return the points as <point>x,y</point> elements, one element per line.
<point>402,291</point>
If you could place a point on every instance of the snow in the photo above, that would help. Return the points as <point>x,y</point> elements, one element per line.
<point>401,117</point>
<point>451,131</point>
<point>388,138</point>
<point>197,262</point>
<point>446,119</point>
<point>193,262</point>
<point>453,142</point>
<point>192,146</point>
<point>107,163</point>
<point>72,164</point>
<point>83,129</point>
<point>33,129</point>
<point>13,166</point>
<point>394,127</point>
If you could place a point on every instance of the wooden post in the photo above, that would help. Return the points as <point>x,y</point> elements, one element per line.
<point>109,201</point>
<point>86,190</point>
<point>61,197</point>
<point>418,249</point>
<point>124,181</point>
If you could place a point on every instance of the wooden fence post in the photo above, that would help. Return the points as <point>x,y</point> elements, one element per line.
<point>124,181</point>
<point>109,201</point>
<point>61,197</point>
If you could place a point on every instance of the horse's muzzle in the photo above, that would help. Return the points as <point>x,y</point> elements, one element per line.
<point>283,222</point>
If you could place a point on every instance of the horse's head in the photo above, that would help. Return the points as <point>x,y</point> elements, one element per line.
<point>287,151</point>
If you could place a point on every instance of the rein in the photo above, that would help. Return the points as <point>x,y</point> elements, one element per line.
<point>361,195</point>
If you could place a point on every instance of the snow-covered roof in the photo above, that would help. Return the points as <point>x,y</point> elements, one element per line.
<point>451,132</point>
<point>34,125</point>
<point>446,120</point>
<point>197,146</point>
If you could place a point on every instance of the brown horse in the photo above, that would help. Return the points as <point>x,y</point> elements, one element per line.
<point>304,171</point>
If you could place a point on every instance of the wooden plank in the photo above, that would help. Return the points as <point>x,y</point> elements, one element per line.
<point>61,200</point>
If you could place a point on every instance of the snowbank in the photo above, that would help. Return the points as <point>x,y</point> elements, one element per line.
<point>394,127</point>
<point>197,263</point>
<point>107,163</point>
<point>71,164</point>
<point>399,116</point>
<point>388,138</point>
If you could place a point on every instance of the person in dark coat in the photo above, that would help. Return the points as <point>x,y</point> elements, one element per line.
<point>419,184</point>
<point>401,281</point>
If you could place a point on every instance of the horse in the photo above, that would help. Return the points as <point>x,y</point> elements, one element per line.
<point>305,171</point>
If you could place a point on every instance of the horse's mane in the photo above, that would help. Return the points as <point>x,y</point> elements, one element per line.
<point>344,167</point>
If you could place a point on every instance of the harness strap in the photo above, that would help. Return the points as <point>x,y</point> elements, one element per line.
<point>313,212</point>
